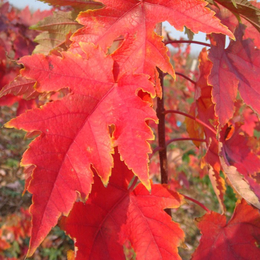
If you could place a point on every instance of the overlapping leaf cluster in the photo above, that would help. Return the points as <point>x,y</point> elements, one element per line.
<point>92,140</point>
<point>16,41</point>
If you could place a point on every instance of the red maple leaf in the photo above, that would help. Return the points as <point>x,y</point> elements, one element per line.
<point>237,239</point>
<point>75,131</point>
<point>142,48</point>
<point>116,214</point>
<point>203,108</point>
<point>234,68</point>
<point>235,150</point>
<point>140,17</point>
<point>231,21</point>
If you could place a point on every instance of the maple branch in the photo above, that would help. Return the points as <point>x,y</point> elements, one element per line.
<point>184,76</point>
<point>157,149</point>
<point>192,117</point>
<point>161,127</point>
<point>184,139</point>
<point>197,202</point>
<point>161,134</point>
<point>187,41</point>
<point>161,137</point>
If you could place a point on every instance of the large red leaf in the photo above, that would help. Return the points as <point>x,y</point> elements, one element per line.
<point>223,80</point>
<point>136,20</point>
<point>140,17</point>
<point>231,21</point>
<point>237,67</point>
<point>113,215</point>
<point>75,131</point>
<point>143,55</point>
<point>237,239</point>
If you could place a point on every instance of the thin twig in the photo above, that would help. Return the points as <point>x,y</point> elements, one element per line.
<point>185,139</point>
<point>197,202</point>
<point>184,76</point>
<point>192,117</point>
<point>161,135</point>
<point>187,41</point>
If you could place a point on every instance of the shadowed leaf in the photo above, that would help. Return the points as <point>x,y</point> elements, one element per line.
<point>237,239</point>
<point>115,215</point>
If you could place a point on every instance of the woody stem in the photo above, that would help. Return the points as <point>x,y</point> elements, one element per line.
<point>161,127</point>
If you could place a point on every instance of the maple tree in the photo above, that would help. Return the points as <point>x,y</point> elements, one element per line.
<point>97,76</point>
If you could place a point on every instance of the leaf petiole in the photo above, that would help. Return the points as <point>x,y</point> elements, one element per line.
<point>196,202</point>
<point>184,139</point>
<point>192,117</point>
<point>184,76</point>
